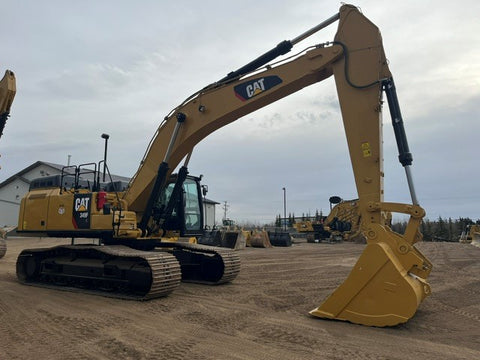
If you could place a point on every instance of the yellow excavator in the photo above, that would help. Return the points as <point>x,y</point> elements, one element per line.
<point>384,288</point>
<point>471,234</point>
<point>342,223</point>
<point>7,93</point>
<point>344,220</point>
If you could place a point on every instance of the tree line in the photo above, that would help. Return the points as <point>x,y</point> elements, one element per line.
<point>440,229</point>
<point>292,219</point>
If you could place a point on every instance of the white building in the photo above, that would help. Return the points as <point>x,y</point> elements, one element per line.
<point>16,186</point>
<point>209,212</point>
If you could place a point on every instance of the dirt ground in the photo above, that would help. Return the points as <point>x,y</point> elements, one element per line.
<point>263,314</point>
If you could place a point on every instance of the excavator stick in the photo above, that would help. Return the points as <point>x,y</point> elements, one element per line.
<point>7,93</point>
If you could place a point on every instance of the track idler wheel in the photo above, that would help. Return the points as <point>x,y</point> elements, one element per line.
<point>28,267</point>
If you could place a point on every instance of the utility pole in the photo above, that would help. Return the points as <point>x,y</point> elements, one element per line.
<point>225,208</point>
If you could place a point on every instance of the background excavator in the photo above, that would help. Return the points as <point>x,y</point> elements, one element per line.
<point>344,220</point>
<point>341,224</point>
<point>7,93</point>
<point>471,234</point>
<point>387,283</point>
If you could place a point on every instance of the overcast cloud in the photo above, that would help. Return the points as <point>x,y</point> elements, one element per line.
<point>118,67</point>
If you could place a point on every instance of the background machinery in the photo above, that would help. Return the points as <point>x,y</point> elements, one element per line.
<point>7,93</point>
<point>8,90</point>
<point>343,221</point>
<point>388,281</point>
<point>470,234</point>
<point>341,224</point>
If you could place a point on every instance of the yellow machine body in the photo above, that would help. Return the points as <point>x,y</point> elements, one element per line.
<point>59,212</point>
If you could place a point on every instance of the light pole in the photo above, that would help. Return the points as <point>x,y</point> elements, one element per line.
<point>284,209</point>
<point>204,192</point>
<point>106,137</point>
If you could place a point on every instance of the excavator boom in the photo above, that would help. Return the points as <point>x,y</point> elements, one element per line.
<point>220,104</point>
<point>7,93</point>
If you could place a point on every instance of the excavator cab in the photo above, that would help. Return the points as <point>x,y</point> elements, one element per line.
<point>186,214</point>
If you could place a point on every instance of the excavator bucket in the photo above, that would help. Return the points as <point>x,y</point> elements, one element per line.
<point>476,239</point>
<point>280,238</point>
<point>384,288</point>
<point>260,239</point>
<point>3,242</point>
<point>212,238</point>
<point>233,239</point>
<point>3,247</point>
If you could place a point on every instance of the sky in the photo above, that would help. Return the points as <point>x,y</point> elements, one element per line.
<point>118,67</point>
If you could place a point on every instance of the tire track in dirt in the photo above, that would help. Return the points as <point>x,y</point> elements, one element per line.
<point>312,342</point>
<point>263,314</point>
<point>26,334</point>
<point>444,267</point>
<point>113,348</point>
<point>176,350</point>
<point>456,311</point>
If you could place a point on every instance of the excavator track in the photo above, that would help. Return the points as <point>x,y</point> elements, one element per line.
<point>114,271</point>
<point>205,264</point>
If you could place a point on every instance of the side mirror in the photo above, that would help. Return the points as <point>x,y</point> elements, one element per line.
<point>335,199</point>
<point>204,190</point>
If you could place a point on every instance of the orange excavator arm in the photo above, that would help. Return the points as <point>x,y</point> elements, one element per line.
<point>7,93</point>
